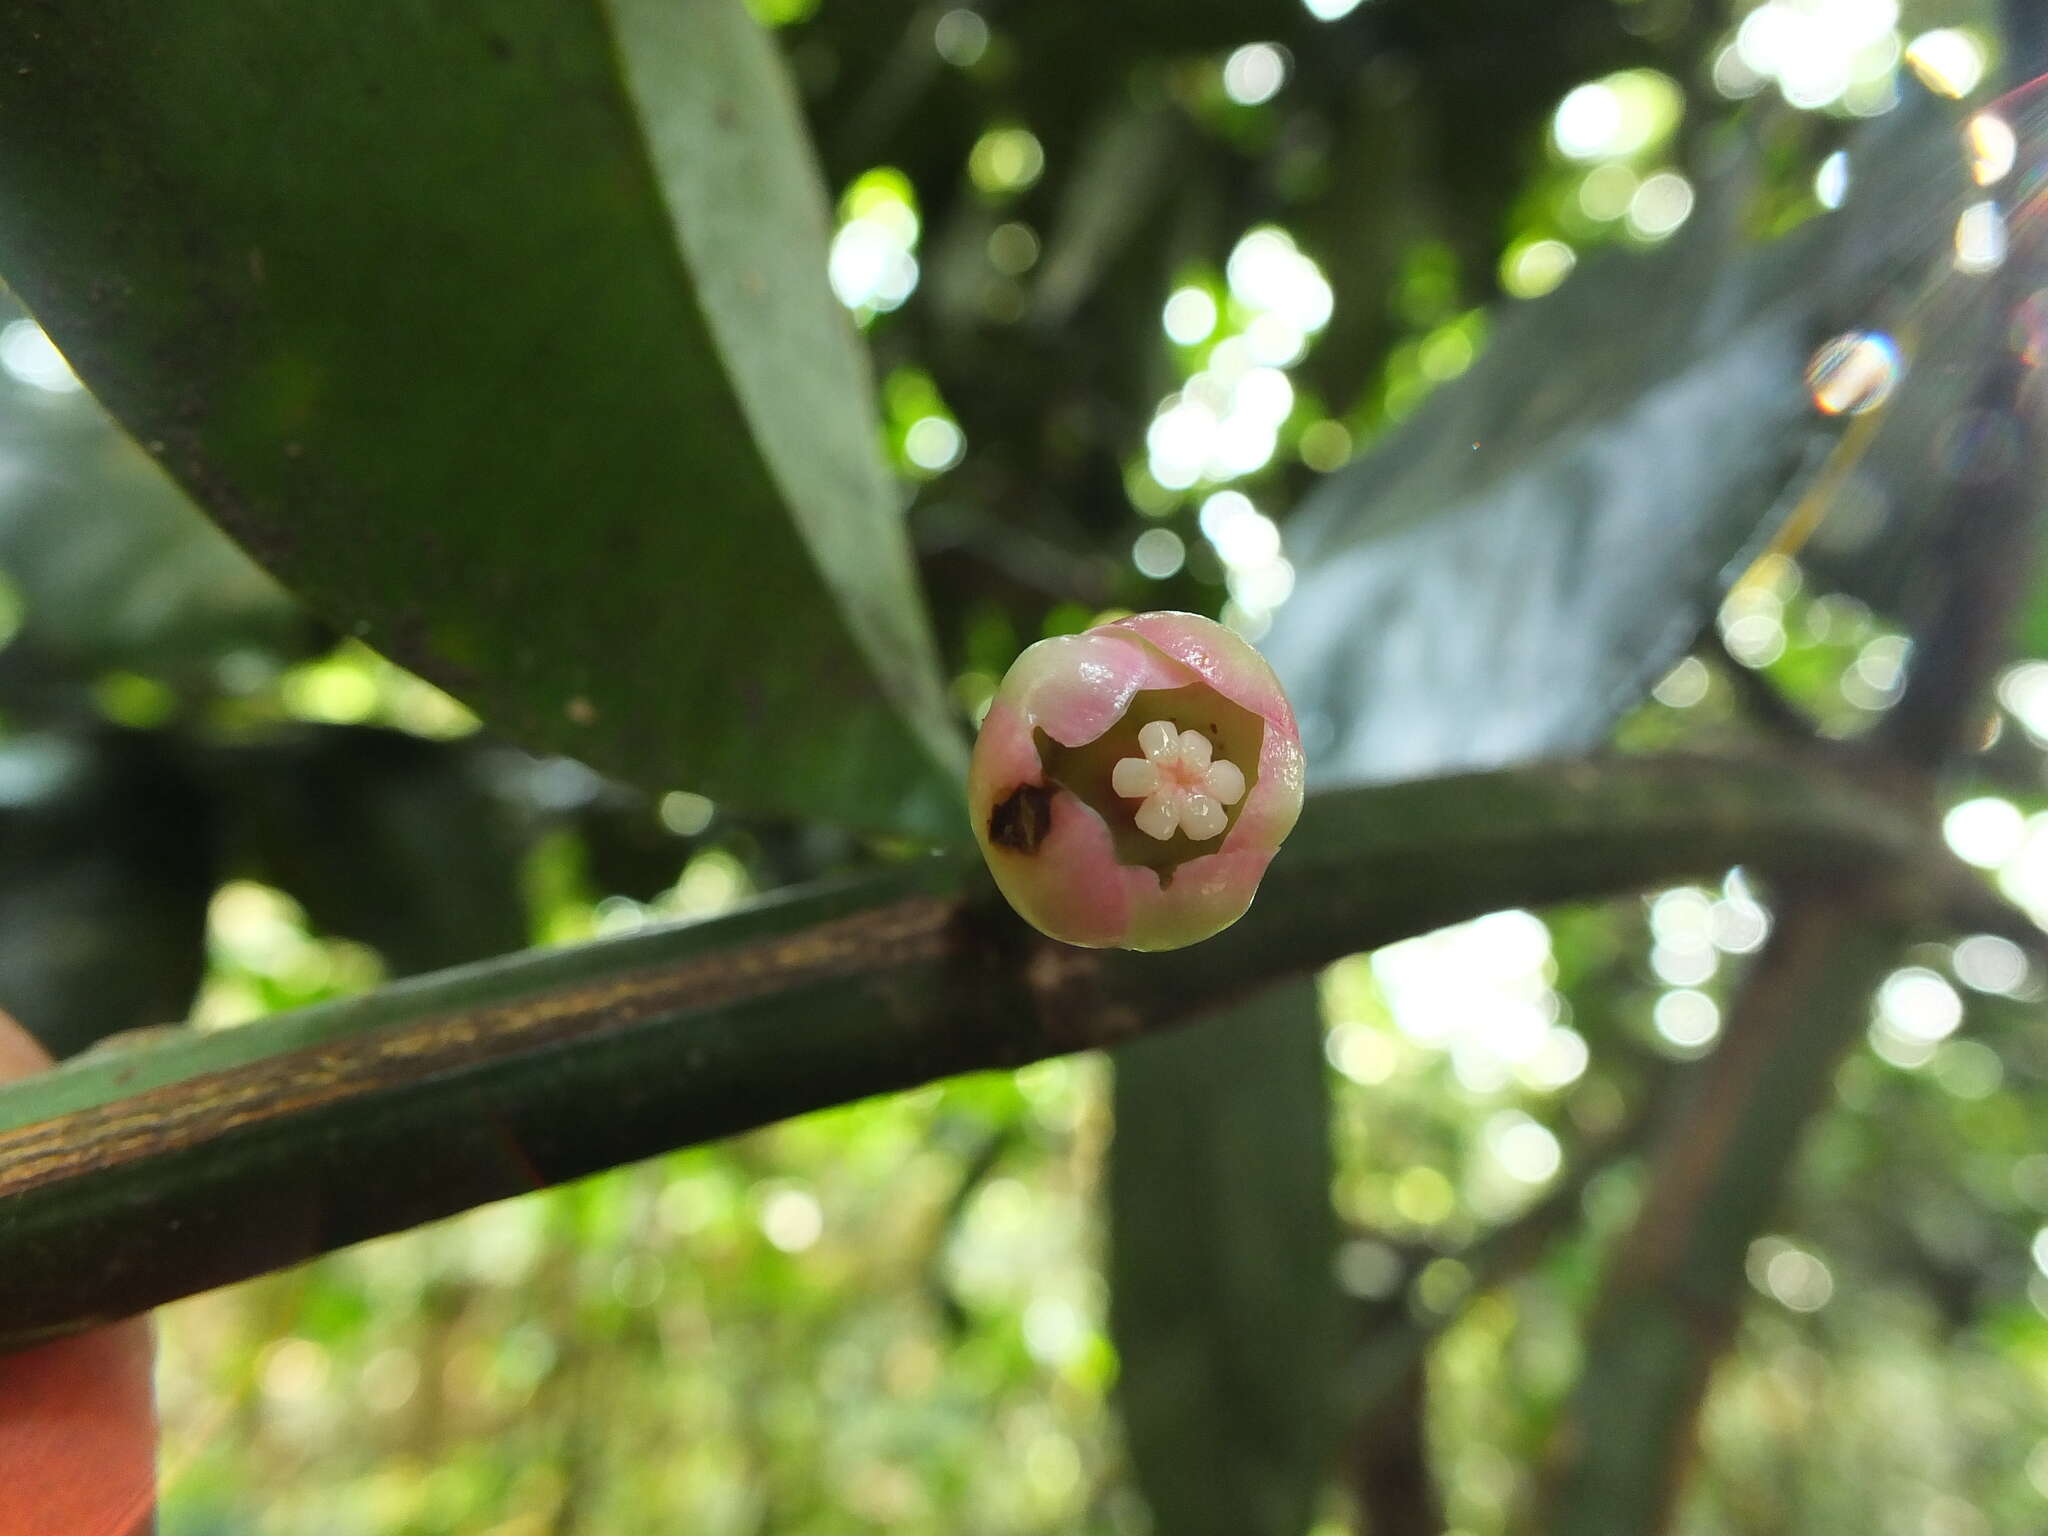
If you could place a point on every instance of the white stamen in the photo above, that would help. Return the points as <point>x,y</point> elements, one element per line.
<point>1134,777</point>
<point>1181,783</point>
<point>1159,741</point>
<point>1202,816</point>
<point>1226,782</point>
<point>1158,816</point>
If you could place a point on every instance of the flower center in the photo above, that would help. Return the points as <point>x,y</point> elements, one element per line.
<point>1179,782</point>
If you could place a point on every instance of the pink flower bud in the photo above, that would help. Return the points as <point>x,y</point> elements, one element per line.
<point>1131,784</point>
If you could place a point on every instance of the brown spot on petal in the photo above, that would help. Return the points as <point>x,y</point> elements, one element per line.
<point>1022,822</point>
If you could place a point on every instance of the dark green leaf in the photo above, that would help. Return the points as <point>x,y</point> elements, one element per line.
<point>503,333</point>
<point>1223,1302</point>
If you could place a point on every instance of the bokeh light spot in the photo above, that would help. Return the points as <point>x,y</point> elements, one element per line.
<point>1662,203</point>
<point>1267,271</point>
<point>872,264</point>
<point>28,353</point>
<point>1853,373</point>
<point>1981,239</point>
<point>1189,317</point>
<point>1874,678</point>
<point>1918,1004</point>
<point>1366,1055</point>
<point>1798,1279</point>
<point>1254,73</point>
<point>1948,61</point>
<point>1819,52</point>
<point>1733,75</point>
<point>1006,160</point>
<point>1481,993</point>
<point>2023,690</point>
<point>1532,268</point>
<point>1687,1018</point>
<point>960,38</point>
<point>1988,962</point>
<point>1158,553</point>
<point>1324,445</point>
<point>1831,180</point>
<point>1606,192</point>
<point>1587,121</point>
<point>790,1217</point>
<point>1618,116</point>
<point>1986,831</point>
<point>1368,1268</point>
<point>685,814</point>
<point>934,444</point>
<point>1525,1149</point>
<point>1423,1197</point>
<point>1993,147</point>
<point>1684,685</point>
<point>1013,248</point>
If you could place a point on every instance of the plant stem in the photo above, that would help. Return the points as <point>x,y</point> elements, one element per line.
<point>128,1178</point>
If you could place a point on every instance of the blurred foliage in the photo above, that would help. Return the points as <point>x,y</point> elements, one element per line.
<point>1138,280</point>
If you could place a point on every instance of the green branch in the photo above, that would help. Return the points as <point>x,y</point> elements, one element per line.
<point>1674,1290</point>
<point>134,1177</point>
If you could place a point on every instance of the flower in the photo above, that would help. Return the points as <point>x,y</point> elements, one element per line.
<point>1183,784</point>
<point>1132,783</point>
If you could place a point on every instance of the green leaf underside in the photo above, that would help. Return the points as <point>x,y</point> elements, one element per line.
<point>1511,569</point>
<point>1235,733</point>
<point>501,332</point>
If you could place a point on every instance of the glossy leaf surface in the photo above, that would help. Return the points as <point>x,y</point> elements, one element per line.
<point>501,333</point>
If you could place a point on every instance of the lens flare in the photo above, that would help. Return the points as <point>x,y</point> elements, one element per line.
<point>1993,147</point>
<point>1854,373</point>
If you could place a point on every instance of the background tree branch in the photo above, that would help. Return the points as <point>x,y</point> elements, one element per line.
<point>1675,1288</point>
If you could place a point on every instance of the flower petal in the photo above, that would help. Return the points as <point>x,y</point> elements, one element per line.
<point>1075,687</point>
<point>1223,660</point>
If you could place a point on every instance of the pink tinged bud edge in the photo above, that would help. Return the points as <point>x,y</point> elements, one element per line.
<point>1072,886</point>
